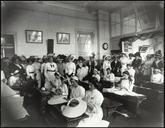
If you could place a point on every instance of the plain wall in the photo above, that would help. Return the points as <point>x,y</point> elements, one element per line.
<point>17,20</point>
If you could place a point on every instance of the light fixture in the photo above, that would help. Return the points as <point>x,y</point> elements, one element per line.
<point>2,3</point>
<point>162,4</point>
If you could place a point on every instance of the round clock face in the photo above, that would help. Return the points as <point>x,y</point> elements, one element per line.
<point>105,46</point>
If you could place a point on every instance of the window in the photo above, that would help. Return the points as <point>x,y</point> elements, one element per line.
<point>85,43</point>
<point>7,45</point>
<point>115,24</point>
<point>128,21</point>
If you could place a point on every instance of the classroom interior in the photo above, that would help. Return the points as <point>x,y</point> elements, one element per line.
<point>82,63</point>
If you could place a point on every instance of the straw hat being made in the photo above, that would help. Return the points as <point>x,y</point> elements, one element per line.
<point>75,108</point>
<point>57,99</point>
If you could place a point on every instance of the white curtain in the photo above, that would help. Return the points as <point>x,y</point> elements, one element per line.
<point>84,44</point>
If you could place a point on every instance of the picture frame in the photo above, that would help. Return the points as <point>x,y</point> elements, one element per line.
<point>126,46</point>
<point>144,48</point>
<point>63,38</point>
<point>34,36</point>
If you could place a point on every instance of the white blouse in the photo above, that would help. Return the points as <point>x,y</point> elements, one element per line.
<point>70,68</point>
<point>94,119</point>
<point>94,97</point>
<point>77,92</point>
<point>127,85</point>
<point>82,72</point>
<point>106,64</point>
<point>109,77</point>
<point>50,69</point>
<point>157,78</point>
<point>30,71</point>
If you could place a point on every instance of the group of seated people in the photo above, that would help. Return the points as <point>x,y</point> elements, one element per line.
<point>52,71</point>
<point>80,78</point>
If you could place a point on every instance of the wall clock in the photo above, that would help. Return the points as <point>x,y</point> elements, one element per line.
<point>105,46</point>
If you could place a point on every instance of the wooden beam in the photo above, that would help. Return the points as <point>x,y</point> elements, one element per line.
<point>62,5</point>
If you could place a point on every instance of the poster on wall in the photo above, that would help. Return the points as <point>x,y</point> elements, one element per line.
<point>144,48</point>
<point>34,36</point>
<point>63,38</point>
<point>126,46</point>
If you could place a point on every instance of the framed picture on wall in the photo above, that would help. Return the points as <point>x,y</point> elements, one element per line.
<point>144,48</point>
<point>34,36</point>
<point>63,38</point>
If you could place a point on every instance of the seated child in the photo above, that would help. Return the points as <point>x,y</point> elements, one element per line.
<point>131,72</point>
<point>157,77</point>
<point>126,82</point>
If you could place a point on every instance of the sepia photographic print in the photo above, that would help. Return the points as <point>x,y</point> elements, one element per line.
<point>82,63</point>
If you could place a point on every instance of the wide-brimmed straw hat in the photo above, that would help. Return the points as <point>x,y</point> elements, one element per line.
<point>107,56</point>
<point>71,57</point>
<point>57,99</point>
<point>75,108</point>
<point>15,72</point>
<point>74,78</point>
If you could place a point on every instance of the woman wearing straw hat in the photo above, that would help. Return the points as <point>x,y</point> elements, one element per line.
<point>70,68</point>
<point>93,96</point>
<point>76,90</point>
<point>82,70</point>
<point>157,77</point>
<point>95,114</point>
<point>106,64</point>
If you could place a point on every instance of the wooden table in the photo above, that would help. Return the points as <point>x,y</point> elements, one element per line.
<point>110,106</point>
<point>154,86</point>
<point>131,103</point>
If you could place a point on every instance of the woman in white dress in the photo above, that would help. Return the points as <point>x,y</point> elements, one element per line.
<point>93,96</point>
<point>30,72</point>
<point>82,71</point>
<point>124,61</point>
<point>126,82</point>
<point>106,64</point>
<point>50,69</point>
<point>70,68</point>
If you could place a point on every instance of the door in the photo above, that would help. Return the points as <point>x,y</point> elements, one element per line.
<point>50,46</point>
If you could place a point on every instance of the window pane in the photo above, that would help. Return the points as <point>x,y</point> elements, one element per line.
<point>129,26</point>
<point>115,30</point>
<point>115,18</point>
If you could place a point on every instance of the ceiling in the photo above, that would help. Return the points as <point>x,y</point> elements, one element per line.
<point>108,5</point>
<point>91,6</point>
